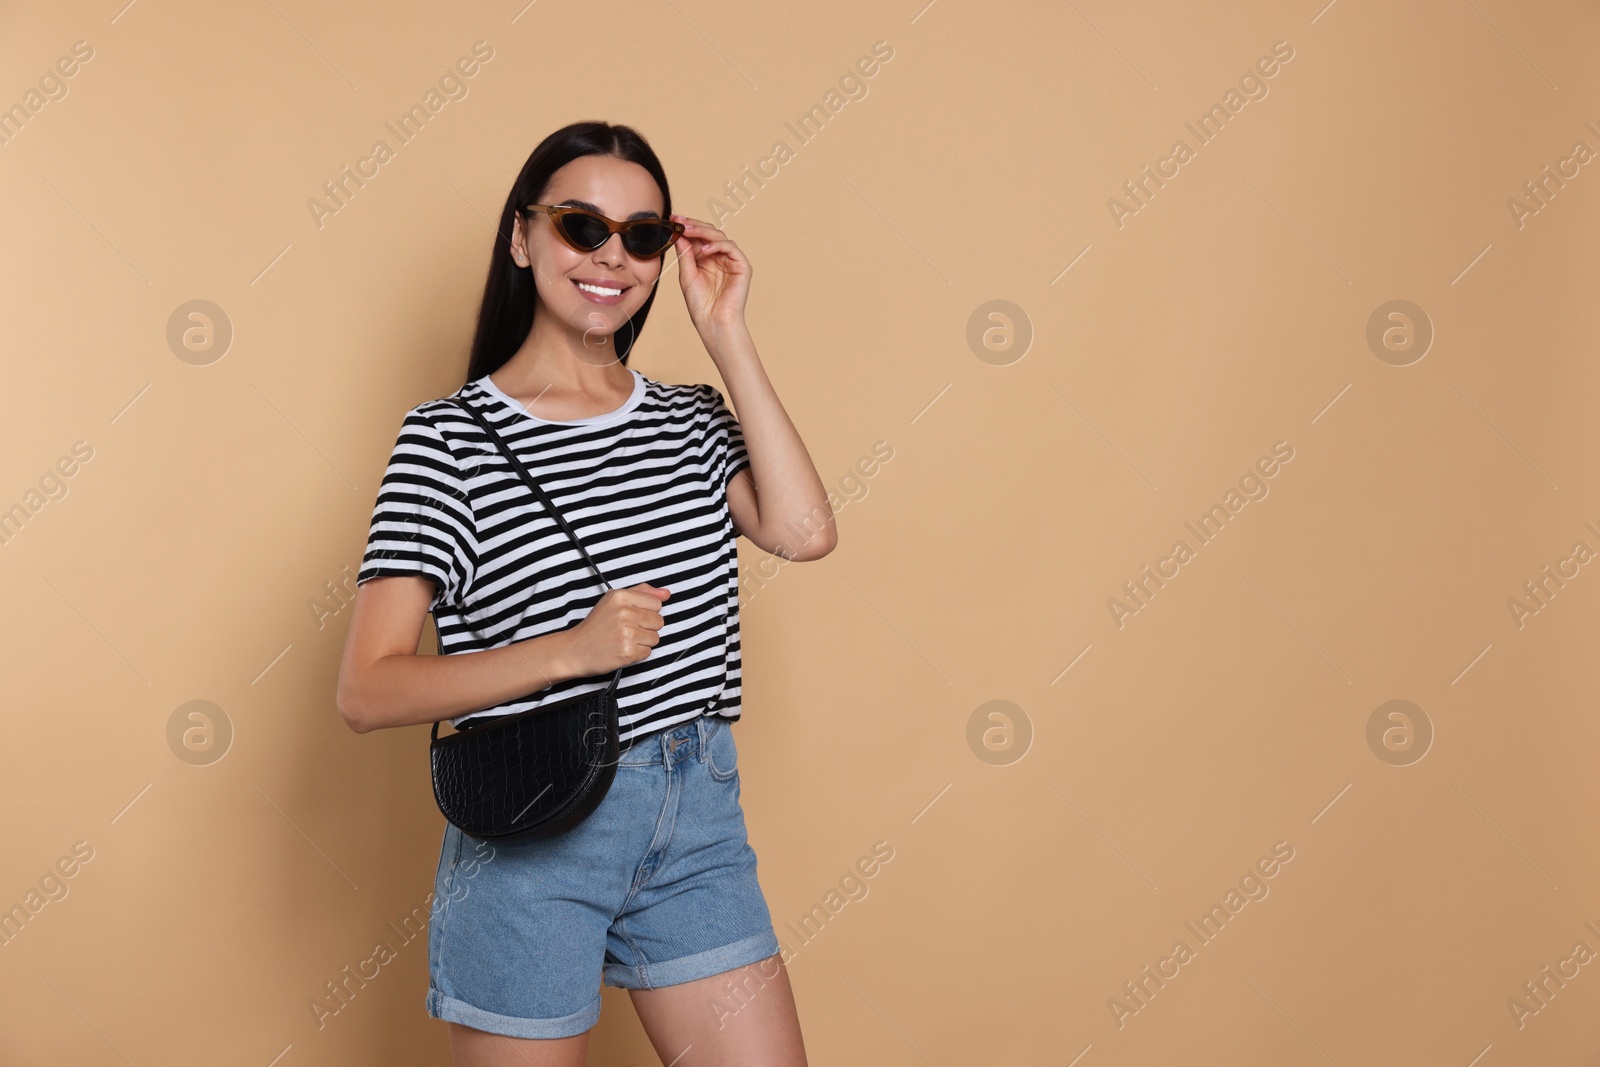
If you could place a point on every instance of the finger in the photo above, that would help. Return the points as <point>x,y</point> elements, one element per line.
<point>642,615</point>
<point>714,247</point>
<point>641,602</point>
<point>629,606</point>
<point>632,619</point>
<point>687,269</point>
<point>686,220</point>
<point>698,228</point>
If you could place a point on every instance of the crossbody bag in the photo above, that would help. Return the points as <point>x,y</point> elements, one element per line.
<point>532,774</point>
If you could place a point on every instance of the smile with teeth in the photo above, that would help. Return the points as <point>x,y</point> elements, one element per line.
<point>598,290</point>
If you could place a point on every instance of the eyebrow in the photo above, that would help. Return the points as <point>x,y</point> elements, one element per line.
<point>573,202</point>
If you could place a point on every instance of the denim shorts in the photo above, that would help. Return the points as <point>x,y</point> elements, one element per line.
<point>656,887</point>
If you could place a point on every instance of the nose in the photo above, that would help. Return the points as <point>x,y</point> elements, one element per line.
<point>611,253</point>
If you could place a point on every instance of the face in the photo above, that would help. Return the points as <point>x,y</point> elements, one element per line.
<point>619,190</point>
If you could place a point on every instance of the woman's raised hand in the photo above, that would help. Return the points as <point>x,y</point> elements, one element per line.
<point>715,275</point>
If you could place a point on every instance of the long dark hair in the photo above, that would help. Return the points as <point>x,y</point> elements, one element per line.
<point>506,316</point>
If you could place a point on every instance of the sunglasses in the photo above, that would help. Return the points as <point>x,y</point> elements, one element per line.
<point>585,231</point>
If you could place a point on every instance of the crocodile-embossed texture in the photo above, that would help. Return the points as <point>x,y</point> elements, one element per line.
<point>530,775</point>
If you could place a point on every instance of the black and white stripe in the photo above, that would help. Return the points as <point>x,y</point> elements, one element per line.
<point>644,487</point>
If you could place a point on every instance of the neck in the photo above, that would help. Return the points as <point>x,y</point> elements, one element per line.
<point>560,359</point>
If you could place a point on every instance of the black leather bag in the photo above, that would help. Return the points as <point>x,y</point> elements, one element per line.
<point>533,774</point>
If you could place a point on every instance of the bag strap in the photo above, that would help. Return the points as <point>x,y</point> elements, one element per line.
<point>516,464</point>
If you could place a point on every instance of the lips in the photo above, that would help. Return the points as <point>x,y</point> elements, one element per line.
<point>613,297</point>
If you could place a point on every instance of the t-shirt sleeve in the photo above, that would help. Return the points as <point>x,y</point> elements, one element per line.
<point>422,521</point>
<point>725,429</point>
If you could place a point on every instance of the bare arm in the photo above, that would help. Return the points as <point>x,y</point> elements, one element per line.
<point>383,682</point>
<point>778,502</point>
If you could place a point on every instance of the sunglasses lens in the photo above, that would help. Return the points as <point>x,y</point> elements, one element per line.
<point>585,231</point>
<point>647,239</point>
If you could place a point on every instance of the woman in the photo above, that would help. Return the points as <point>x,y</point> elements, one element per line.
<point>656,891</point>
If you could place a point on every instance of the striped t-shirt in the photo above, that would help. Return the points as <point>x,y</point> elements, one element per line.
<point>645,489</point>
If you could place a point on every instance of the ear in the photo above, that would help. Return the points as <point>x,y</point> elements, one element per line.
<point>519,240</point>
<point>519,243</point>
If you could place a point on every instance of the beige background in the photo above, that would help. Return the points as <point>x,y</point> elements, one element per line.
<point>1159,760</point>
